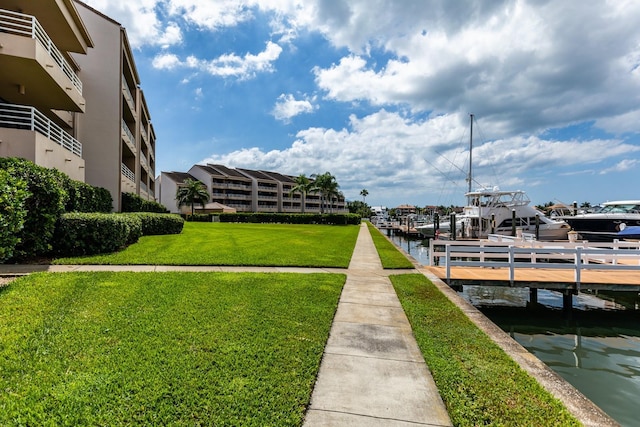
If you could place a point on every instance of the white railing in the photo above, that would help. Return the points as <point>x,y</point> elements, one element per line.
<point>29,118</point>
<point>127,94</point>
<point>127,132</point>
<point>560,255</point>
<point>127,172</point>
<point>28,26</point>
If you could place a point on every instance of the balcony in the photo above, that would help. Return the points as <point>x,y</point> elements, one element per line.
<point>34,68</point>
<point>127,137</point>
<point>128,96</point>
<point>143,162</point>
<point>127,173</point>
<point>29,118</point>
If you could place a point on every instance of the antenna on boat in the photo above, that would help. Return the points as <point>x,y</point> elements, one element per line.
<point>470,176</point>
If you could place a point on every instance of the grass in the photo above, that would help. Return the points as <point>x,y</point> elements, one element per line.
<point>162,348</point>
<point>389,254</point>
<point>238,244</point>
<point>479,383</point>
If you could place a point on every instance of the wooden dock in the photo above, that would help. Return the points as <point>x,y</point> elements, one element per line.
<point>538,265</point>
<point>540,278</point>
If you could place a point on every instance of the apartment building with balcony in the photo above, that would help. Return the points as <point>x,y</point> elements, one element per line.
<point>118,137</point>
<point>41,93</point>
<point>70,96</point>
<point>245,190</point>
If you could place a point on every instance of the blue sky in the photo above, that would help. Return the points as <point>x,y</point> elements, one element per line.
<point>379,93</point>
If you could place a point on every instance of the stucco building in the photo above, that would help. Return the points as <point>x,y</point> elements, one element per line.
<point>70,96</point>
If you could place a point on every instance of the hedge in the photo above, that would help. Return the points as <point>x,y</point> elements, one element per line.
<point>79,234</point>
<point>44,205</point>
<point>134,203</point>
<point>87,198</point>
<point>157,224</point>
<point>13,195</point>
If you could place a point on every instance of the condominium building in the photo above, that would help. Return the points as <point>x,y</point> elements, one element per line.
<point>116,127</point>
<point>70,96</point>
<point>41,93</point>
<point>246,190</point>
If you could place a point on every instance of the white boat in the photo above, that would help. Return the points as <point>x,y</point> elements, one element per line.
<point>492,211</point>
<point>605,223</point>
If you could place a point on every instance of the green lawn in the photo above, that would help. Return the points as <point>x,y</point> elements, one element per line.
<point>390,255</point>
<point>162,348</point>
<point>478,382</point>
<point>239,244</point>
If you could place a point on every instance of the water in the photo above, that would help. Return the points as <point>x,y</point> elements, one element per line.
<point>596,349</point>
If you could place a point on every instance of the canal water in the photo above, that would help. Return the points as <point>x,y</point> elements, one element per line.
<point>596,348</point>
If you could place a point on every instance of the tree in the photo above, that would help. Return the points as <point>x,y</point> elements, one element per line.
<point>190,192</point>
<point>303,186</point>
<point>327,186</point>
<point>360,208</point>
<point>364,193</point>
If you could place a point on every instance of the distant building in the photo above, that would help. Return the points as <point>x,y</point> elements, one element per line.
<point>246,190</point>
<point>404,210</point>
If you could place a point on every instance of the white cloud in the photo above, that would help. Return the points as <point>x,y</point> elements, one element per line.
<point>288,107</point>
<point>228,65</point>
<point>140,20</point>
<point>166,61</point>
<point>211,15</point>
<point>418,159</point>
<point>622,166</point>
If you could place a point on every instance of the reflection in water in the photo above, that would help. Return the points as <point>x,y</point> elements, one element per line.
<point>597,349</point>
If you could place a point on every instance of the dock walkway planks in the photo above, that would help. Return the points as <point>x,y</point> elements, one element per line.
<point>541,278</point>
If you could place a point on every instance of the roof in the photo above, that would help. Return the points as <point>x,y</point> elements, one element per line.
<point>279,177</point>
<point>256,174</point>
<point>223,170</point>
<point>179,177</point>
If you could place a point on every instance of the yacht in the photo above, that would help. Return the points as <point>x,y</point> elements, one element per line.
<point>605,224</point>
<point>493,211</point>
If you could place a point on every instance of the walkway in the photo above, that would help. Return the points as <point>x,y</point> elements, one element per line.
<point>372,372</point>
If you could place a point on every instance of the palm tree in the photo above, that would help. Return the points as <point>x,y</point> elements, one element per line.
<point>327,186</point>
<point>364,193</point>
<point>190,192</point>
<point>303,186</point>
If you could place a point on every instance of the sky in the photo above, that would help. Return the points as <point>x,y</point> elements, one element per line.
<point>379,93</point>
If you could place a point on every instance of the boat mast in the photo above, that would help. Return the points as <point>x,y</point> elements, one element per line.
<point>470,176</point>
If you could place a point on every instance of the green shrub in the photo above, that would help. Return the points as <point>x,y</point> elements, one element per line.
<point>44,205</point>
<point>13,195</point>
<point>134,203</point>
<point>87,198</point>
<point>79,234</point>
<point>158,224</point>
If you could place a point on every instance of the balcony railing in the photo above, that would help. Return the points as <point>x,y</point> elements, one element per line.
<point>127,132</point>
<point>143,162</point>
<point>28,118</point>
<point>28,26</point>
<point>127,172</point>
<point>127,94</point>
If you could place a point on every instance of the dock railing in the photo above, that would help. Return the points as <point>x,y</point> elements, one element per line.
<point>537,255</point>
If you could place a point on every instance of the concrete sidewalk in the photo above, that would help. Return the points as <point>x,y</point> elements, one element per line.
<point>372,372</point>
